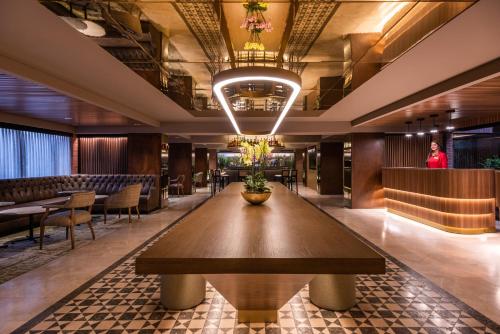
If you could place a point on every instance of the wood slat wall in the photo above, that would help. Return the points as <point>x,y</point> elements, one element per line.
<point>102,155</point>
<point>497,187</point>
<point>454,200</point>
<point>401,151</point>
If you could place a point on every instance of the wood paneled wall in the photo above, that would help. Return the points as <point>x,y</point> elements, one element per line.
<point>180,163</point>
<point>144,153</point>
<point>497,187</point>
<point>102,155</point>
<point>201,163</point>
<point>367,163</point>
<point>454,200</point>
<point>401,151</point>
<point>311,174</point>
<point>331,168</point>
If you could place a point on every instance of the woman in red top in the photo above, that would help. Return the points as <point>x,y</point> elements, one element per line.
<point>436,158</point>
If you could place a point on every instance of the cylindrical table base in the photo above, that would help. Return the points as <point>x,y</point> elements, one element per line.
<point>333,292</point>
<point>180,292</point>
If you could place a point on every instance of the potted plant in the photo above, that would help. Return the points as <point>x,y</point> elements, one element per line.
<point>492,162</point>
<point>254,154</point>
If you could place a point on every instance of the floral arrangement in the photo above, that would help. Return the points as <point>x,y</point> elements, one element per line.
<point>255,154</point>
<point>255,23</point>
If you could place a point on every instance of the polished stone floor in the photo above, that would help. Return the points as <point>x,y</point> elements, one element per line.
<point>467,266</point>
<point>105,295</point>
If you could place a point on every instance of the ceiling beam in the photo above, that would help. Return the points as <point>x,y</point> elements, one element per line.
<point>219,9</point>
<point>468,78</point>
<point>288,29</point>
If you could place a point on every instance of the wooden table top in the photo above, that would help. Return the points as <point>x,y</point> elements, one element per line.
<point>26,210</point>
<point>285,235</point>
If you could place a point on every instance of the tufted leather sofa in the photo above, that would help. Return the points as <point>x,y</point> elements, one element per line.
<point>44,190</point>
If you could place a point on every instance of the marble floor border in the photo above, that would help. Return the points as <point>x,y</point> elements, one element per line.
<point>61,302</point>
<point>489,323</point>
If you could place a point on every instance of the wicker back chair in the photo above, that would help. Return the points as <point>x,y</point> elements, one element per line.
<point>126,198</point>
<point>70,218</point>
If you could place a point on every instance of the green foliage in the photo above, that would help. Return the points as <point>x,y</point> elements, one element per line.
<point>256,183</point>
<point>253,6</point>
<point>492,162</point>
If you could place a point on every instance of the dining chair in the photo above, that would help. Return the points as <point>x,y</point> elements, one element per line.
<point>127,198</point>
<point>71,216</point>
<point>177,183</point>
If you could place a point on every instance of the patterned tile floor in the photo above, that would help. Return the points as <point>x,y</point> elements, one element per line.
<point>118,301</point>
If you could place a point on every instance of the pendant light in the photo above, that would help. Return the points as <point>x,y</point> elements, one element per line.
<point>408,134</point>
<point>450,126</point>
<point>435,127</point>
<point>420,131</point>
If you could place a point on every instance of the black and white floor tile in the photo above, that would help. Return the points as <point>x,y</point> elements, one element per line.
<point>119,301</point>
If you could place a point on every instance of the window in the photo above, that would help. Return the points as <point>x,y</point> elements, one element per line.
<point>31,154</point>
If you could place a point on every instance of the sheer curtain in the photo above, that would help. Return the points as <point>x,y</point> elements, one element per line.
<point>30,154</point>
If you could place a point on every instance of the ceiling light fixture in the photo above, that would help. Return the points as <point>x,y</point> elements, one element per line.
<point>86,27</point>
<point>408,134</point>
<point>420,131</point>
<point>435,127</point>
<point>450,126</point>
<point>251,74</point>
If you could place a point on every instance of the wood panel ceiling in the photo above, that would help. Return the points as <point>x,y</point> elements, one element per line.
<point>26,98</point>
<point>481,100</point>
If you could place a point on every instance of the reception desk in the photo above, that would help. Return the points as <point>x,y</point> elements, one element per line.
<point>453,200</point>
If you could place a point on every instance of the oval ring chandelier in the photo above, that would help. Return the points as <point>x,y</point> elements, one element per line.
<point>256,74</point>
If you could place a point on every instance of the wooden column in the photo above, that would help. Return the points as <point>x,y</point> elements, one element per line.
<point>367,163</point>
<point>311,174</point>
<point>299,163</point>
<point>74,155</point>
<point>144,153</point>
<point>201,163</point>
<point>212,159</point>
<point>180,163</point>
<point>331,168</point>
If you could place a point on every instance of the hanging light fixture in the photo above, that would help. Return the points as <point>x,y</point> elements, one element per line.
<point>250,75</point>
<point>450,126</point>
<point>420,131</point>
<point>435,127</point>
<point>408,134</point>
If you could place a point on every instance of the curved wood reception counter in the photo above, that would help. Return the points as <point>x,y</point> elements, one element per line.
<point>454,200</point>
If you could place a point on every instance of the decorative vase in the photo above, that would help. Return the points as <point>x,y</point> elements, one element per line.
<point>255,198</point>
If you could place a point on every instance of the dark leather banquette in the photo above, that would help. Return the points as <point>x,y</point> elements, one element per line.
<point>44,190</point>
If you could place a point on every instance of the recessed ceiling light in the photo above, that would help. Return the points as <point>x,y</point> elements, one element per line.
<point>67,118</point>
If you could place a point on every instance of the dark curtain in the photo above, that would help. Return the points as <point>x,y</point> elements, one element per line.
<point>103,155</point>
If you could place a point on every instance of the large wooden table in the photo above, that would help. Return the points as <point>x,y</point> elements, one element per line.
<point>258,257</point>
